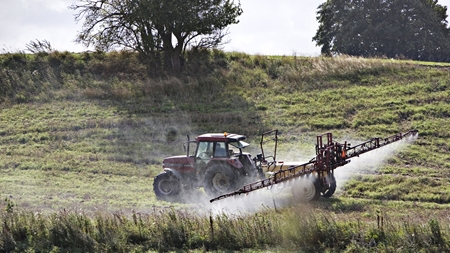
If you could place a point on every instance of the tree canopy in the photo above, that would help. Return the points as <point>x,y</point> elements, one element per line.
<point>153,26</point>
<point>413,29</point>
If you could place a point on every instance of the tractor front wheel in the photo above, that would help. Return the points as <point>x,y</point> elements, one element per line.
<point>219,180</point>
<point>306,189</point>
<point>166,186</point>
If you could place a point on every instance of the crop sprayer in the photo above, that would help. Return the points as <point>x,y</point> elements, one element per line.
<point>316,177</point>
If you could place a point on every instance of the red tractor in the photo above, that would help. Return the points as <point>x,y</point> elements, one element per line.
<point>223,170</point>
<point>218,164</point>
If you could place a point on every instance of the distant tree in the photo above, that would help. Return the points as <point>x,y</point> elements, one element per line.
<point>414,29</point>
<point>153,26</point>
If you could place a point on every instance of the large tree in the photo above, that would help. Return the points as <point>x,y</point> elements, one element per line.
<point>414,29</point>
<point>154,26</point>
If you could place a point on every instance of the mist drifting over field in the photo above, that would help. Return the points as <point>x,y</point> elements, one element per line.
<point>370,162</point>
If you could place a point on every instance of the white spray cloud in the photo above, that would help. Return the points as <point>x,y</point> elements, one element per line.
<point>273,197</point>
<point>371,161</point>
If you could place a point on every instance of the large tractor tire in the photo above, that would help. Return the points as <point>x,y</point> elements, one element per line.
<point>218,180</point>
<point>329,189</point>
<point>306,189</point>
<point>166,186</point>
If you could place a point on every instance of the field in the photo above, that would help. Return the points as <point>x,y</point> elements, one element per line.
<point>83,135</point>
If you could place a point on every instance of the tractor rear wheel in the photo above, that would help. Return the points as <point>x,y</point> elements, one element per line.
<point>166,186</point>
<point>218,180</point>
<point>306,189</point>
<point>330,187</point>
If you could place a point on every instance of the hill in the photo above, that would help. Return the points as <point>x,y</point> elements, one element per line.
<point>86,133</point>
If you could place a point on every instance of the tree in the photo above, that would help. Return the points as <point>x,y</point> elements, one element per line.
<point>154,26</point>
<point>415,29</point>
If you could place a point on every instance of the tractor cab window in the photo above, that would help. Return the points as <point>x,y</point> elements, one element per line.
<point>237,146</point>
<point>204,150</point>
<point>220,150</point>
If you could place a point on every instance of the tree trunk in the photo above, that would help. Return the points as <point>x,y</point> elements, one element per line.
<point>173,59</point>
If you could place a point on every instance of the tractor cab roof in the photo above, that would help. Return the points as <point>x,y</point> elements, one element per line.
<point>235,139</point>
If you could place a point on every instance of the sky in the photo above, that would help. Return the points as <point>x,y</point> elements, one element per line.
<point>283,27</point>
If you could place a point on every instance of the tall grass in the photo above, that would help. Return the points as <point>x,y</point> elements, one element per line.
<point>301,229</point>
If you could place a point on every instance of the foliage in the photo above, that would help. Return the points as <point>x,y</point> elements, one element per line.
<point>149,27</point>
<point>413,29</point>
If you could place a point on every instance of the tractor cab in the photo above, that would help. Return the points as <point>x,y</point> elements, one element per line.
<point>219,145</point>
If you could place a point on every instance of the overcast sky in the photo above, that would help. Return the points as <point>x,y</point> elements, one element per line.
<point>283,27</point>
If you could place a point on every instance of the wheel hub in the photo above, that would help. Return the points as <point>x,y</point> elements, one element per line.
<point>166,186</point>
<point>221,182</point>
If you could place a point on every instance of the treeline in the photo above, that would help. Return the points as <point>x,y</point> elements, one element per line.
<point>407,29</point>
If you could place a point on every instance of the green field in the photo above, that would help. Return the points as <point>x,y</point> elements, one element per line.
<point>83,135</point>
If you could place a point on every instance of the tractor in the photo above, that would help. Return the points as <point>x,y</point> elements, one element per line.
<point>218,164</point>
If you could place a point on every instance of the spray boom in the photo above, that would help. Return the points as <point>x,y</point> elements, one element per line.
<point>318,173</point>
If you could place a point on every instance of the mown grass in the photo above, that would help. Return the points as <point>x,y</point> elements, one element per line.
<point>83,135</point>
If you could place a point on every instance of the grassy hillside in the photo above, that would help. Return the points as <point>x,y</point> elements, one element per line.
<point>86,133</point>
